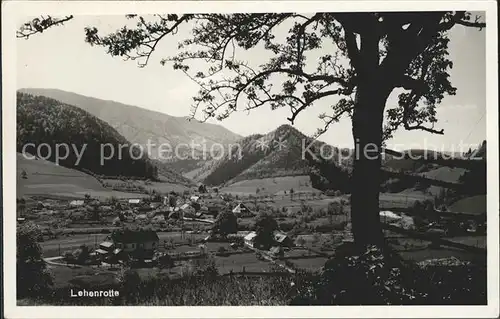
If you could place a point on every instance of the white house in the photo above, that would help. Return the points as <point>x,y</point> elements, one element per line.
<point>135,201</point>
<point>283,240</point>
<point>105,249</point>
<point>154,205</point>
<point>389,214</point>
<point>249,239</point>
<point>76,203</point>
<point>402,221</point>
<point>141,217</point>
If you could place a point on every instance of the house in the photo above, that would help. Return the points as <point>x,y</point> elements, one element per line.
<point>154,205</point>
<point>402,221</point>
<point>135,201</point>
<point>106,208</point>
<point>250,239</point>
<point>194,199</point>
<point>141,217</point>
<point>129,216</point>
<point>76,203</point>
<point>136,242</point>
<point>213,210</point>
<point>105,250</point>
<point>202,188</point>
<point>283,240</point>
<point>158,219</point>
<point>387,215</point>
<point>276,251</point>
<point>241,210</point>
<point>174,212</point>
<point>187,210</point>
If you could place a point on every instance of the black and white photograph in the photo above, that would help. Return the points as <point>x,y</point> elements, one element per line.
<point>238,153</point>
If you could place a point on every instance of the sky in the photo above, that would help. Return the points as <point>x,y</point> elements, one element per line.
<point>60,59</point>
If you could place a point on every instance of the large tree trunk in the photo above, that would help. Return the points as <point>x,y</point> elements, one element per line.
<point>371,94</point>
<point>367,132</point>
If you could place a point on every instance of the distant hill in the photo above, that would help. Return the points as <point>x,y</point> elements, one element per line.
<point>282,152</point>
<point>42,120</point>
<point>139,125</point>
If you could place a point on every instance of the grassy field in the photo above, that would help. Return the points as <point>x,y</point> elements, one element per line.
<point>295,203</point>
<point>159,187</point>
<point>311,264</point>
<point>447,174</point>
<point>403,199</point>
<point>436,253</point>
<point>472,205</point>
<point>237,262</point>
<point>66,276</point>
<point>269,186</point>
<point>45,178</point>
<point>476,241</point>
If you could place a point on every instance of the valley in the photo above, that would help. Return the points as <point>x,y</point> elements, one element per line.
<point>78,211</point>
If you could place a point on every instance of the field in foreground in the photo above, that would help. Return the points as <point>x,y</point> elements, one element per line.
<point>358,284</point>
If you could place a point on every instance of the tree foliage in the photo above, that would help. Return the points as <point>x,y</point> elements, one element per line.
<point>265,226</point>
<point>226,223</point>
<point>413,55</point>
<point>39,25</point>
<point>32,274</point>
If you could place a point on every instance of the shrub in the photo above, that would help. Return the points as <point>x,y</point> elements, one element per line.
<point>68,257</point>
<point>128,281</point>
<point>165,261</point>
<point>360,279</point>
<point>340,226</point>
<point>333,208</point>
<point>221,251</point>
<point>33,278</point>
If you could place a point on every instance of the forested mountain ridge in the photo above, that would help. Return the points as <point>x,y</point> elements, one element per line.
<point>42,120</point>
<point>139,125</point>
<point>283,152</point>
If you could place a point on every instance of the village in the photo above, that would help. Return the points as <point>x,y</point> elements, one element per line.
<point>176,234</point>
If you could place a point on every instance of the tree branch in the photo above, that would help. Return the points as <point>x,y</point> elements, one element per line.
<point>423,128</point>
<point>38,25</point>
<point>309,100</point>
<point>461,18</point>
<point>143,40</point>
<point>409,83</point>
<point>342,107</point>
